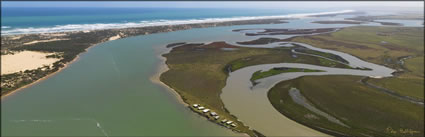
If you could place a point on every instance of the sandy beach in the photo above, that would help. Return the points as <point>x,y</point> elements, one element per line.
<point>161,68</point>
<point>3,96</point>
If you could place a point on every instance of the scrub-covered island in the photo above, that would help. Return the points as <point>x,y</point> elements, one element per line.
<point>360,80</point>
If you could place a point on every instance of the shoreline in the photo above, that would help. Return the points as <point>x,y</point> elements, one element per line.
<point>215,20</point>
<point>66,65</point>
<point>3,96</point>
<point>122,33</point>
<point>163,67</point>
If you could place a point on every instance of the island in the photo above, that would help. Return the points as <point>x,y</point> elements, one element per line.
<point>276,71</point>
<point>287,31</point>
<point>338,22</point>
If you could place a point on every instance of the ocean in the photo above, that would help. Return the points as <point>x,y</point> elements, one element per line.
<point>19,20</point>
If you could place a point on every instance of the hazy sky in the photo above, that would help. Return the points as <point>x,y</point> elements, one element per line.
<point>211,4</point>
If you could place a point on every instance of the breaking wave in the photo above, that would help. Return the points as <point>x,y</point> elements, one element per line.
<point>97,26</point>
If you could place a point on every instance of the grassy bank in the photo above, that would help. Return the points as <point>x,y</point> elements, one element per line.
<point>410,83</point>
<point>275,71</point>
<point>384,46</point>
<point>279,55</point>
<point>381,45</point>
<point>366,111</point>
<point>318,53</point>
<point>198,72</point>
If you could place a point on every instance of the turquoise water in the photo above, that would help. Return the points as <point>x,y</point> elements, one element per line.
<point>17,20</point>
<point>23,20</point>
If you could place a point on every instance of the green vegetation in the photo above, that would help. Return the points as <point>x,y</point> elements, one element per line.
<point>322,54</point>
<point>276,71</point>
<point>404,86</point>
<point>13,81</point>
<point>381,45</point>
<point>279,55</point>
<point>415,66</point>
<point>389,17</point>
<point>367,111</point>
<point>198,72</point>
<point>68,49</point>
<point>411,83</point>
<point>327,62</point>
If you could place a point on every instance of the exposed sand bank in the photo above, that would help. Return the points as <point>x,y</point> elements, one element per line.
<point>25,60</point>
<point>161,68</point>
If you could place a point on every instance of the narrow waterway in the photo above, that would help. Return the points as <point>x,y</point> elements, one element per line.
<point>261,115</point>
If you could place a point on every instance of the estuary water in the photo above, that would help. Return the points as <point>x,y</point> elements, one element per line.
<point>108,92</point>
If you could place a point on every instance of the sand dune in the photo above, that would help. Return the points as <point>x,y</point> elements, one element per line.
<point>25,60</point>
